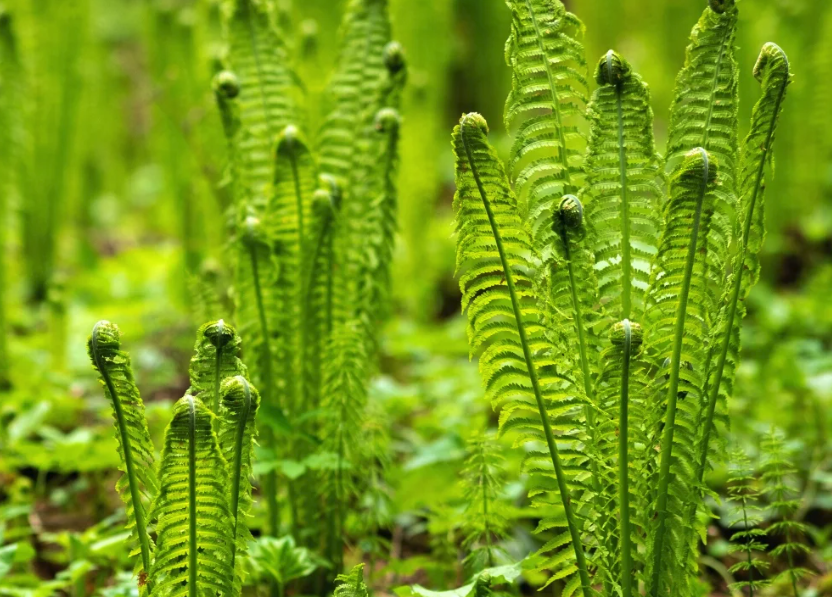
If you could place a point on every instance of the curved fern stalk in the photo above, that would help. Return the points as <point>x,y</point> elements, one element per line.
<point>704,114</point>
<point>215,359</point>
<point>256,305</point>
<point>675,308</point>
<point>295,181</point>
<point>195,543</point>
<point>268,88</point>
<point>623,192</point>
<point>346,379</point>
<point>546,103</point>
<point>237,433</point>
<point>772,70</point>
<point>134,445</point>
<point>503,319</point>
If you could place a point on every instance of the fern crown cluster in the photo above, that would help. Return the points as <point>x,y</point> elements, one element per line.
<point>603,294</point>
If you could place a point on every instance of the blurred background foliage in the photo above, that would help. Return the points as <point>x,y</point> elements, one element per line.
<point>111,163</point>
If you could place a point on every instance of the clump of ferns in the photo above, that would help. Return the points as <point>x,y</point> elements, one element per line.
<point>602,297</point>
<point>198,497</point>
<point>313,225</point>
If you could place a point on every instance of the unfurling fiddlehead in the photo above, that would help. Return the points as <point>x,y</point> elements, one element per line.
<point>216,357</point>
<point>134,445</point>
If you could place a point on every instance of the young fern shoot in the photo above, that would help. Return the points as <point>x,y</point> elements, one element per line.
<point>194,532</point>
<point>742,492</point>
<point>502,316</point>
<point>216,357</point>
<point>139,481</point>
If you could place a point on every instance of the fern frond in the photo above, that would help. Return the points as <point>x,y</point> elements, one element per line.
<point>777,468</point>
<point>772,70</point>
<point>623,192</point>
<point>676,312</point>
<point>267,93</point>
<point>704,114</point>
<point>504,322</point>
<point>295,181</point>
<point>345,396</point>
<point>745,496</point>
<point>237,433</point>
<point>226,91</point>
<point>195,541</point>
<point>356,86</point>
<point>216,357</point>
<point>381,221</point>
<point>546,104</point>
<point>483,479</point>
<point>257,309</point>
<point>138,482</point>
<point>352,584</point>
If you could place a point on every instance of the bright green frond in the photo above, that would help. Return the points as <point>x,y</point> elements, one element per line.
<point>138,483</point>
<point>546,106</point>
<point>237,433</point>
<point>216,357</point>
<point>267,92</point>
<point>772,70</point>
<point>676,317</point>
<point>352,584</point>
<point>195,537</point>
<point>505,327</point>
<point>623,193</point>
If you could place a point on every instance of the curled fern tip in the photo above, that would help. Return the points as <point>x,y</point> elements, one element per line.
<point>720,6</point>
<point>219,333</point>
<point>387,120</point>
<point>570,212</point>
<point>474,119</point>
<point>770,55</point>
<point>612,69</point>
<point>624,330</point>
<point>226,84</point>
<point>394,59</point>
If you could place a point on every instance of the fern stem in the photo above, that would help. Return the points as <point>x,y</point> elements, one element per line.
<point>238,459</point>
<point>270,484</point>
<point>129,465</point>
<point>673,386</point>
<point>748,554</point>
<point>193,549</point>
<point>739,271</point>
<point>521,330</point>
<point>626,259</point>
<point>623,465</point>
<point>564,159</point>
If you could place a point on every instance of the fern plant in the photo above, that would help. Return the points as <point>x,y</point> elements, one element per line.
<point>313,221</point>
<point>602,298</point>
<point>748,540</point>
<point>198,498</point>
<point>782,504</point>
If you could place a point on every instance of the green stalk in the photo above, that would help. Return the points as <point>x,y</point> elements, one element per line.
<point>129,465</point>
<point>270,482</point>
<point>739,271</point>
<point>547,429</point>
<point>193,549</point>
<point>237,470</point>
<point>748,550</point>
<point>673,386</point>
<point>623,465</point>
